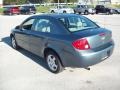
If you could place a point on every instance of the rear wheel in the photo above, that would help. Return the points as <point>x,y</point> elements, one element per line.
<point>74,12</point>
<point>53,62</point>
<point>86,13</point>
<point>79,12</point>
<point>96,12</point>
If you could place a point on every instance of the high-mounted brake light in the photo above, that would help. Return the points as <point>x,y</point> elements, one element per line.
<point>81,44</point>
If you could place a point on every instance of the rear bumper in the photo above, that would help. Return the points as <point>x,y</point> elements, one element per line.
<point>89,58</point>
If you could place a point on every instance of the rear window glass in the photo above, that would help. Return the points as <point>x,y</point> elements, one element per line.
<point>15,8</point>
<point>77,23</point>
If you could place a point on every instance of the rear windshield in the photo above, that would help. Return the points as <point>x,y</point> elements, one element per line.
<point>28,7</point>
<point>77,23</point>
<point>6,8</point>
<point>15,7</point>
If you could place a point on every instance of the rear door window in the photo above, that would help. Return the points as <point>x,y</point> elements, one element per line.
<point>46,26</point>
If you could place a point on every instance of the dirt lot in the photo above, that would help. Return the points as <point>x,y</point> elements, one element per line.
<point>21,70</point>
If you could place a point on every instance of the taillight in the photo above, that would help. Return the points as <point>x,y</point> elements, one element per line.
<point>81,44</point>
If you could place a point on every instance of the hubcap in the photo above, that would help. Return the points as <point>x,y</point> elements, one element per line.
<point>51,60</point>
<point>13,43</point>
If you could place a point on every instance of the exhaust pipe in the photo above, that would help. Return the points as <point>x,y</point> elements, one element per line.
<point>87,68</point>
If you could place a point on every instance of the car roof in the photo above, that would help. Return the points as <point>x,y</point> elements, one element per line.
<point>12,7</point>
<point>57,15</point>
<point>28,6</point>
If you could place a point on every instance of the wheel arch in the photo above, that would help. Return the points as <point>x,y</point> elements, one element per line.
<point>53,50</point>
<point>11,35</point>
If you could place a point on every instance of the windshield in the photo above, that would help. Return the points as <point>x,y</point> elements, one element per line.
<point>77,23</point>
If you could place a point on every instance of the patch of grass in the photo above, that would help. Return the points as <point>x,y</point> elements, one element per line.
<point>113,6</point>
<point>116,6</point>
<point>1,10</point>
<point>43,9</point>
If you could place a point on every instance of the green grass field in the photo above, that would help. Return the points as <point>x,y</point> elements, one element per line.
<point>1,10</point>
<point>44,9</point>
<point>116,6</point>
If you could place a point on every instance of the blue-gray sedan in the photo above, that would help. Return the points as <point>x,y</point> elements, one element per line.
<point>64,40</point>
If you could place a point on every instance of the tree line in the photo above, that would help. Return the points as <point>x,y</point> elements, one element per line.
<point>35,1</point>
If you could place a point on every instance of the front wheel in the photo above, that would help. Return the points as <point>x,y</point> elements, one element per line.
<point>13,42</point>
<point>86,13</point>
<point>53,62</point>
<point>52,11</point>
<point>64,12</point>
<point>79,12</point>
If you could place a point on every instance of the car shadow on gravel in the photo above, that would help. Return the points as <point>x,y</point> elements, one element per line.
<point>28,54</point>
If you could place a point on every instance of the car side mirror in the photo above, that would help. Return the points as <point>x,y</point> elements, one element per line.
<point>17,27</point>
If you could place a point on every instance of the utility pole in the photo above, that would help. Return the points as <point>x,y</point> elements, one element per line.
<point>58,4</point>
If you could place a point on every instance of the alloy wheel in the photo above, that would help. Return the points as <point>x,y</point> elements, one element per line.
<point>13,42</point>
<point>51,60</point>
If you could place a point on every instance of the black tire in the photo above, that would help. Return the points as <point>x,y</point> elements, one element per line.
<point>64,12</point>
<point>96,12</point>
<point>54,66</point>
<point>74,12</point>
<point>108,13</point>
<point>79,12</point>
<point>86,13</point>
<point>14,43</point>
<point>52,11</point>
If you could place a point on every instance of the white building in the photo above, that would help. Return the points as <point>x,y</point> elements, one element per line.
<point>1,3</point>
<point>110,1</point>
<point>115,1</point>
<point>99,1</point>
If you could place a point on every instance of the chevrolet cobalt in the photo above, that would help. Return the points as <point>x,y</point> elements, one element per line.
<point>64,40</point>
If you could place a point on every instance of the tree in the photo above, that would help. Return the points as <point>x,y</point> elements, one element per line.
<point>14,1</point>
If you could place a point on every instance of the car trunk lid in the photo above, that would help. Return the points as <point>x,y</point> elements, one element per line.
<point>96,37</point>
